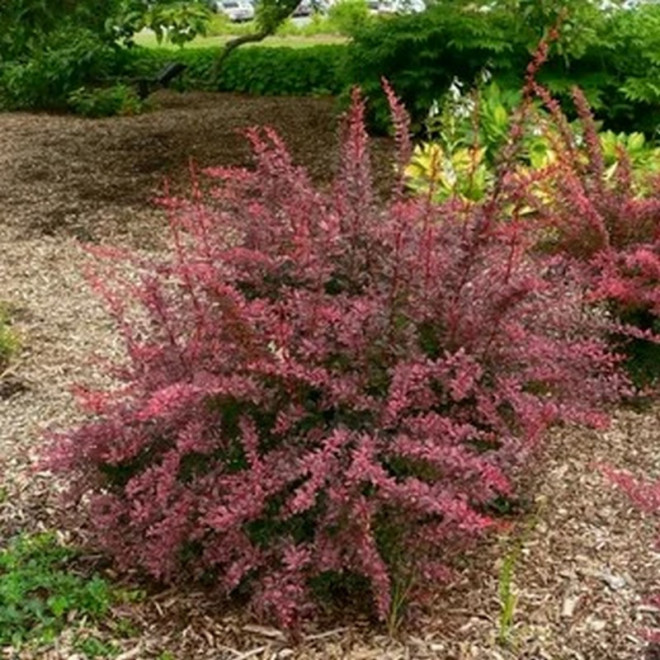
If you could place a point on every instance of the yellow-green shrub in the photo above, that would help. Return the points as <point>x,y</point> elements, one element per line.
<point>470,132</point>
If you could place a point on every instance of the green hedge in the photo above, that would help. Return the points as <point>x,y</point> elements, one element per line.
<point>252,69</point>
<point>421,54</point>
<point>614,57</point>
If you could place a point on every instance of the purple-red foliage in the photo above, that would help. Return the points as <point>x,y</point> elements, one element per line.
<point>320,384</point>
<point>645,496</point>
<point>603,226</point>
<point>592,213</point>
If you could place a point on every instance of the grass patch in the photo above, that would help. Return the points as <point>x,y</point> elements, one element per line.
<point>148,40</point>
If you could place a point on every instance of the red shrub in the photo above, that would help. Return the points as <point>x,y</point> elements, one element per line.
<point>607,229</point>
<point>320,385</point>
<point>592,212</point>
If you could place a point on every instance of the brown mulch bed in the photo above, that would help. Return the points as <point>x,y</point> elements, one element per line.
<point>587,558</point>
<point>93,179</point>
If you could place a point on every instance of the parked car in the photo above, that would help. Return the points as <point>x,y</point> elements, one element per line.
<point>320,6</point>
<point>236,10</point>
<point>401,6</point>
<point>303,9</point>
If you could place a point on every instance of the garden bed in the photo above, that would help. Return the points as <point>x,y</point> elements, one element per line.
<point>586,557</point>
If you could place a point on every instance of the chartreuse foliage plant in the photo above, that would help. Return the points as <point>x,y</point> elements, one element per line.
<point>468,133</point>
<point>323,389</point>
<point>465,135</point>
<point>40,593</point>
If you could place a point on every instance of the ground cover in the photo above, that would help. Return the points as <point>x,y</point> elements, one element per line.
<point>578,564</point>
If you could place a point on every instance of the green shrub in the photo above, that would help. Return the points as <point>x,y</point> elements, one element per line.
<point>251,70</point>
<point>34,24</point>
<point>286,71</point>
<point>421,54</point>
<point>469,132</point>
<point>105,102</point>
<point>348,16</point>
<point>633,61</point>
<point>618,69</point>
<point>40,593</point>
<point>44,79</point>
<point>614,57</point>
<point>54,48</point>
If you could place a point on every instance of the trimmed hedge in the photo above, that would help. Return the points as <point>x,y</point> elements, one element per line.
<point>252,70</point>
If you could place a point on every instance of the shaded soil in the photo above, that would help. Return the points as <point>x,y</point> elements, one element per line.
<point>64,175</point>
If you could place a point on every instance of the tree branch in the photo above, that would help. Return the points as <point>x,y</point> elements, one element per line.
<point>271,14</point>
<point>235,43</point>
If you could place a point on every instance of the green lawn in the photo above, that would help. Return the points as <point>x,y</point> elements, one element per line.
<point>148,39</point>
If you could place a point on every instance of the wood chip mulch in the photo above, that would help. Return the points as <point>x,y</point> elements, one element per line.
<point>587,560</point>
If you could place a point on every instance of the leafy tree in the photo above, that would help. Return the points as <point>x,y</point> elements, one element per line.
<point>33,22</point>
<point>58,48</point>
<point>54,48</point>
<point>179,21</point>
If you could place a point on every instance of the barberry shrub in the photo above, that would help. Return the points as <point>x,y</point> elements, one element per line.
<point>610,227</point>
<point>321,386</point>
<point>606,222</point>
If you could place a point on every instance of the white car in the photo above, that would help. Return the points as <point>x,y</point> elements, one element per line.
<point>236,11</point>
<point>401,6</point>
<point>303,9</point>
